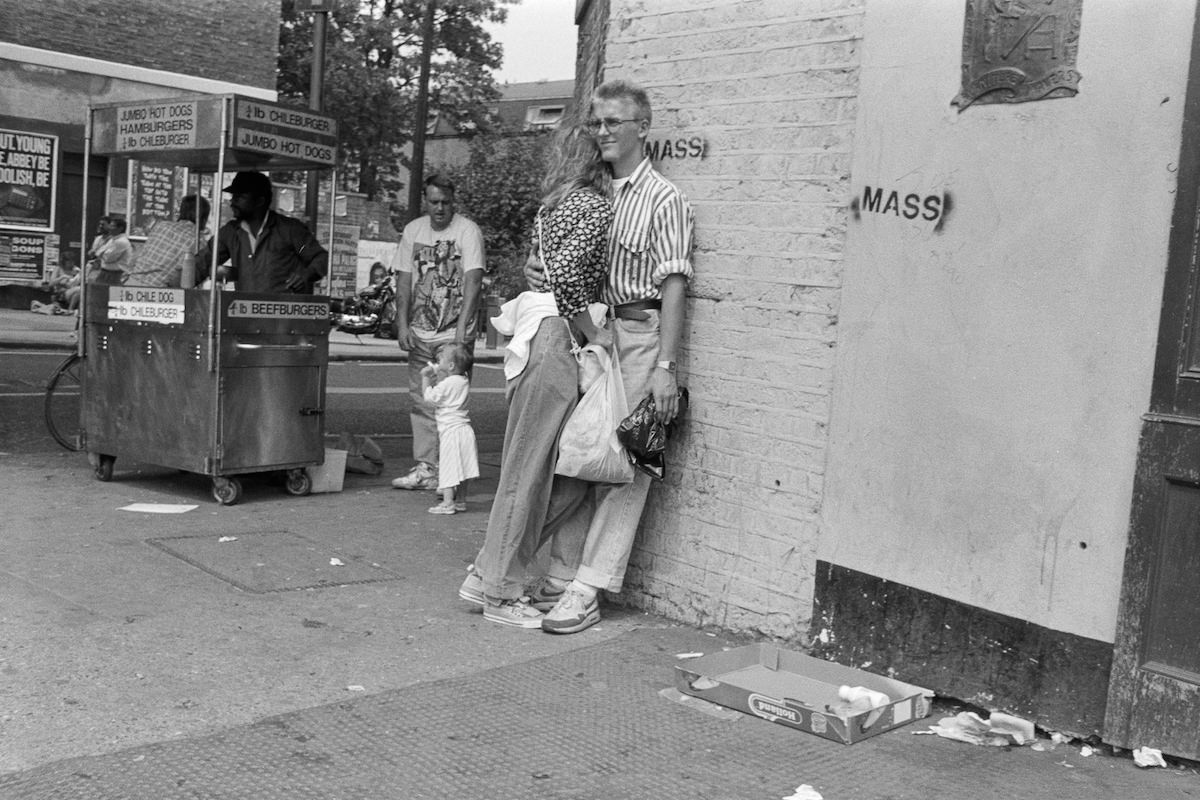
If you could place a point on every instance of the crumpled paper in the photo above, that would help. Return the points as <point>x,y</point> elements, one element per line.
<point>804,792</point>
<point>1148,757</point>
<point>997,730</point>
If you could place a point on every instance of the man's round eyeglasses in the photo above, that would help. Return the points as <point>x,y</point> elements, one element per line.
<point>608,123</point>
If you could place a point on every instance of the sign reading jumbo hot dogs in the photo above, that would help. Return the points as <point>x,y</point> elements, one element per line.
<point>156,126</point>
<point>284,131</point>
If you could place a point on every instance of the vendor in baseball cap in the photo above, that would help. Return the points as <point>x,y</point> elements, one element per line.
<point>268,252</point>
<point>255,184</point>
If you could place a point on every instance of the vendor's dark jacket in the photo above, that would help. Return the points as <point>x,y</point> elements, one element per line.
<point>285,248</point>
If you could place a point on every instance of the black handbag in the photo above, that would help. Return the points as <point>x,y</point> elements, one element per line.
<point>645,438</point>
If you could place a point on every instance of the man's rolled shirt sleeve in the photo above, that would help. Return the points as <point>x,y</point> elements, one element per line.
<point>472,249</point>
<point>672,241</point>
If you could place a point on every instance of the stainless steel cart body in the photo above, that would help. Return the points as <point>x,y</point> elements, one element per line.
<point>150,394</point>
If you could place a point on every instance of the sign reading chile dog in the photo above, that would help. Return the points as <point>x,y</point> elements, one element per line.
<point>145,304</point>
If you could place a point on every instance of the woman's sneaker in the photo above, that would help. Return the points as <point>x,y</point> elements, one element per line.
<point>472,588</point>
<point>517,613</point>
<point>574,612</point>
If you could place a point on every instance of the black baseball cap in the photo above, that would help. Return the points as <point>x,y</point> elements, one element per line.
<point>251,183</point>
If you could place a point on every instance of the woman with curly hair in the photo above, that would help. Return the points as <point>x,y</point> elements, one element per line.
<point>547,327</point>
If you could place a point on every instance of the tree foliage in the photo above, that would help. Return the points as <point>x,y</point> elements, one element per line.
<point>372,58</point>
<point>500,189</point>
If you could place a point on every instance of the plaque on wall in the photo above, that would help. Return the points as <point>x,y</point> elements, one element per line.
<point>1015,51</point>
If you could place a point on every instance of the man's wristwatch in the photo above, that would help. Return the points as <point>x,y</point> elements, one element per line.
<point>669,366</point>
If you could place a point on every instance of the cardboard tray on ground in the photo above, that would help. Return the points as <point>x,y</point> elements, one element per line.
<point>799,691</point>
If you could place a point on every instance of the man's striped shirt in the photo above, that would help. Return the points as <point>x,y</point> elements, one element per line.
<point>650,238</point>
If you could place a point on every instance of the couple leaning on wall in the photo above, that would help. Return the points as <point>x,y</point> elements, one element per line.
<point>609,267</point>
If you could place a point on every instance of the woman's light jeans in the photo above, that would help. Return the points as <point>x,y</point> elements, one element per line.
<point>540,400</point>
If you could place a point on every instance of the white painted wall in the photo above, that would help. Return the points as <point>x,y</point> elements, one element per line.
<point>990,377</point>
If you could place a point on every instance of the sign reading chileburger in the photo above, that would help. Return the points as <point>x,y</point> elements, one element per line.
<point>168,125</point>
<point>283,131</point>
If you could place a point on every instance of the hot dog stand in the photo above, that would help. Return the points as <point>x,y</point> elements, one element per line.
<point>211,381</point>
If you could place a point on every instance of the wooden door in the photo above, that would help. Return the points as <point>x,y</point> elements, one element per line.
<point>1154,691</point>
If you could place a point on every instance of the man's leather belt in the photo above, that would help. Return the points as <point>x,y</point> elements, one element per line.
<point>636,310</point>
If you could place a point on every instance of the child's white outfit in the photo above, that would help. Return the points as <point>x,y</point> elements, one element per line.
<point>458,459</point>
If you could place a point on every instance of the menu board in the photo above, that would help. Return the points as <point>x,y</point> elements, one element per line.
<point>154,193</point>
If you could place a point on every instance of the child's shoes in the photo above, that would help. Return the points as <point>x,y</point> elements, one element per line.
<point>446,508</point>
<point>460,506</point>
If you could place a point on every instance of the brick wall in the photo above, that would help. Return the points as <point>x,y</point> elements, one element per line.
<point>215,39</point>
<point>591,20</point>
<point>771,85</point>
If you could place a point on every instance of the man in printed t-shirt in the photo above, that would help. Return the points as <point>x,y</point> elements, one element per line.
<point>437,299</point>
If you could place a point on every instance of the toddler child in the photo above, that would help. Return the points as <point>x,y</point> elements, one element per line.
<point>445,386</point>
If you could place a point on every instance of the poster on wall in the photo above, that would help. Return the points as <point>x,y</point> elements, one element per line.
<point>22,258</point>
<point>154,193</point>
<point>371,252</point>
<point>28,175</point>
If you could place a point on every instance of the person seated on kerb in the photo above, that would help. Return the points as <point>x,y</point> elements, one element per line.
<point>267,252</point>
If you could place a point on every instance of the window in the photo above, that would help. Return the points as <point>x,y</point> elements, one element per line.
<point>540,117</point>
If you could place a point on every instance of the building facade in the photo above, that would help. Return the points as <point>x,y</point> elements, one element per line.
<point>939,343</point>
<point>58,58</point>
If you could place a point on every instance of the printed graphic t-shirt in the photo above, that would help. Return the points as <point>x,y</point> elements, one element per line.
<point>437,262</point>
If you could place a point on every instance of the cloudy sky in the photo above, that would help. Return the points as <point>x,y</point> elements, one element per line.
<point>539,41</point>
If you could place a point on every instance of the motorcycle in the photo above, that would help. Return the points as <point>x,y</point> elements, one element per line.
<point>372,310</point>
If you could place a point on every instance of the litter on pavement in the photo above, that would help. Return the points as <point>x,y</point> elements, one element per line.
<point>804,792</point>
<point>1148,757</point>
<point>158,508</point>
<point>997,730</point>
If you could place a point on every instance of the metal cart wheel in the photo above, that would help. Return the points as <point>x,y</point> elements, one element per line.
<point>299,482</point>
<point>104,468</point>
<point>62,405</point>
<point>226,491</point>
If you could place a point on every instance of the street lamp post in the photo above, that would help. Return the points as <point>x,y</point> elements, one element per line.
<point>316,89</point>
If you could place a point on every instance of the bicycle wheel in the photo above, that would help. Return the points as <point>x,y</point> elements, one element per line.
<point>64,407</point>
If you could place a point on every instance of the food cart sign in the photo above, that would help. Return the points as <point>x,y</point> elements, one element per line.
<point>277,130</point>
<point>278,309</point>
<point>145,304</point>
<point>152,127</point>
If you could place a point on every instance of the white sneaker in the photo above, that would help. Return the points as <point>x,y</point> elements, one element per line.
<point>422,476</point>
<point>576,611</point>
<point>517,613</point>
<point>472,588</point>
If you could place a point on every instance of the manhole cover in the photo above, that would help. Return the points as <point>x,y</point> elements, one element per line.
<point>271,561</point>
